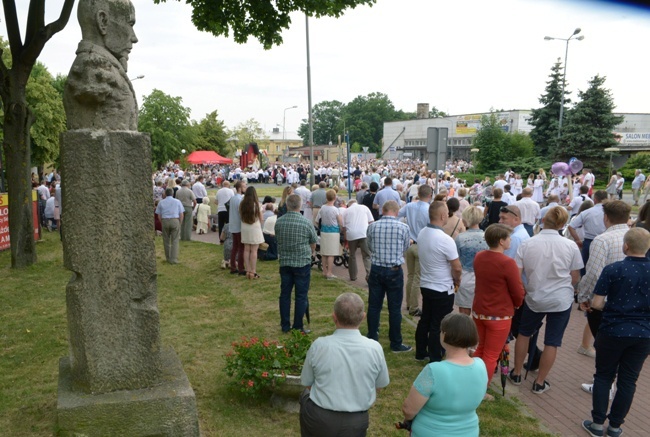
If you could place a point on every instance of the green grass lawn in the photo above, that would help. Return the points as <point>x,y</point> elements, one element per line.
<point>203,309</point>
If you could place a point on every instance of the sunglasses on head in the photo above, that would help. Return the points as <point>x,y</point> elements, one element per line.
<point>506,209</point>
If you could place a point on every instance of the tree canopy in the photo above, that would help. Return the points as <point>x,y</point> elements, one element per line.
<point>545,120</point>
<point>168,122</point>
<point>363,118</point>
<point>590,125</point>
<point>262,19</point>
<point>210,134</point>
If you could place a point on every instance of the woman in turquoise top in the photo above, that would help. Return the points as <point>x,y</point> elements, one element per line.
<point>444,397</point>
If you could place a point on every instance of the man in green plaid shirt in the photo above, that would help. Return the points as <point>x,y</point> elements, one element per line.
<point>296,242</point>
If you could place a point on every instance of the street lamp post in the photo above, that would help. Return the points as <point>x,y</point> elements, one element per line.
<point>566,55</point>
<point>474,152</point>
<point>284,118</point>
<point>311,122</point>
<point>611,151</point>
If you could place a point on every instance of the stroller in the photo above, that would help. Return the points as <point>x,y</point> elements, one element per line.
<point>341,260</point>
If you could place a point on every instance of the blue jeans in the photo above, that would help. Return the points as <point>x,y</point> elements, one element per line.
<point>389,282</point>
<point>622,355</point>
<point>435,306</point>
<point>300,277</point>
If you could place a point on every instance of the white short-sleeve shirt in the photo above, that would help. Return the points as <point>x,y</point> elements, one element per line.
<point>436,249</point>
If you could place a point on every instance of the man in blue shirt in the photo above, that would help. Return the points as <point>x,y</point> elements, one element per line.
<point>385,194</point>
<point>623,339</point>
<point>342,373</point>
<point>170,212</point>
<point>417,217</point>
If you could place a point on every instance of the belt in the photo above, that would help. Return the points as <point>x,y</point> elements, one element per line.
<point>392,268</point>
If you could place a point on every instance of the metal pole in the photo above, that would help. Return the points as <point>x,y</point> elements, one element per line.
<point>311,123</point>
<point>566,55</point>
<point>347,141</point>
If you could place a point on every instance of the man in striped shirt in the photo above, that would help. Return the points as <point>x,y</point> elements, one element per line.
<point>387,240</point>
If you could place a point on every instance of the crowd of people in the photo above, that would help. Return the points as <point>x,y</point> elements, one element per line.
<point>509,254</point>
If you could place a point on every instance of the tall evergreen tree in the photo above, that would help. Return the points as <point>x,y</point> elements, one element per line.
<point>590,125</point>
<point>545,119</point>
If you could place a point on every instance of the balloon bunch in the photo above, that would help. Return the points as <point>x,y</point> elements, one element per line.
<point>563,169</point>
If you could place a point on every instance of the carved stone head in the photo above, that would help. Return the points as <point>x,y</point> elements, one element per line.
<point>109,23</point>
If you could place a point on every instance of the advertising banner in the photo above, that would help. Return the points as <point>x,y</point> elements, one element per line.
<point>4,219</point>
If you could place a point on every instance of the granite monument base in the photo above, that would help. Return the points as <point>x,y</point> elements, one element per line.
<point>165,410</point>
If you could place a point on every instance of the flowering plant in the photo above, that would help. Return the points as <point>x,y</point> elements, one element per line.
<point>257,365</point>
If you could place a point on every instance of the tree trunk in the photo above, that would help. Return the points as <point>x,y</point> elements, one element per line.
<point>17,122</point>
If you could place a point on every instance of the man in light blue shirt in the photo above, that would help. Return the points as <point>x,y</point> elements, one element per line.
<point>385,194</point>
<point>417,217</point>
<point>342,373</point>
<point>511,216</point>
<point>170,211</point>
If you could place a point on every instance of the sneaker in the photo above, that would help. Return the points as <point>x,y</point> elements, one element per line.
<point>402,348</point>
<point>416,313</point>
<point>614,433</point>
<point>515,379</point>
<point>590,352</point>
<point>589,388</point>
<point>422,359</point>
<point>587,425</point>
<point>538,389</point>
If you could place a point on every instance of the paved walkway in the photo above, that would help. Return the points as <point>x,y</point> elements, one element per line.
<point>561,409</point>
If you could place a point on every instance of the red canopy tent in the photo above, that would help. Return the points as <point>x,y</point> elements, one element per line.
<point>207,157</point>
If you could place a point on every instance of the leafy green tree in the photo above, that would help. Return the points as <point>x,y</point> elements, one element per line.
<point>365,117</point>
<point>327,122</point>
<point>210,134</point>
<point>640,160</point>
<point>519,145</point>
<point>19,117</point>
<point>545,120</point>
<point>435,113</point>
<point>590,124</point>
<point>168,122</point>
<point>250,131</point>
<point>262,19</point>
<point>492,141</point>
<point>49,116</point>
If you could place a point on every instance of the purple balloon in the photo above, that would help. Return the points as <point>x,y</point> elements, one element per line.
<point>576,166</point>
<point>560,168</point>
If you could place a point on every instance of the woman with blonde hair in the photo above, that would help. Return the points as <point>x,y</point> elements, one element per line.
<point>331,224</point>
<point>469,243</point>
<point>251,230</point>
<point>282,206</point>
<point>171,183</point>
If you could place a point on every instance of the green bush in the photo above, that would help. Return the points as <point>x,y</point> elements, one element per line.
<point>640,160</point>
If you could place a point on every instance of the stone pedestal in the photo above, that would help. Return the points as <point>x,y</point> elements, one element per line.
<point>165,410</point>
<point>116,380</point>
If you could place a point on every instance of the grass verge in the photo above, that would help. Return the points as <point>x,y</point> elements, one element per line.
<point>202,310</point>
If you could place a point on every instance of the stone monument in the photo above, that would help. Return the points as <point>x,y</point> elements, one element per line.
<point>117,379</point>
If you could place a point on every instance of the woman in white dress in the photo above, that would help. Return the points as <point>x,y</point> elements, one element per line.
<point>518,186</point>
<point>251,230</point>
<point>331,223</point>
<point>538,189</point>
<point>530,183</point>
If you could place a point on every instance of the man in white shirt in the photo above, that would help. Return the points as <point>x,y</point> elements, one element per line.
<point>342,373</point>
<point>576,203</point>
<point>620,182</point>
<point>499,182</point>
<point>356,220</point>
<point>199,190</point>
<point>224,194</point>
<point>637,184</point>
<point>592,222</point>
<point>440,272</point>
<point>529,209</point>
<point>305,196</point>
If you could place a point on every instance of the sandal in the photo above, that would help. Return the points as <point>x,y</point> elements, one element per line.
<point>254,275</point>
